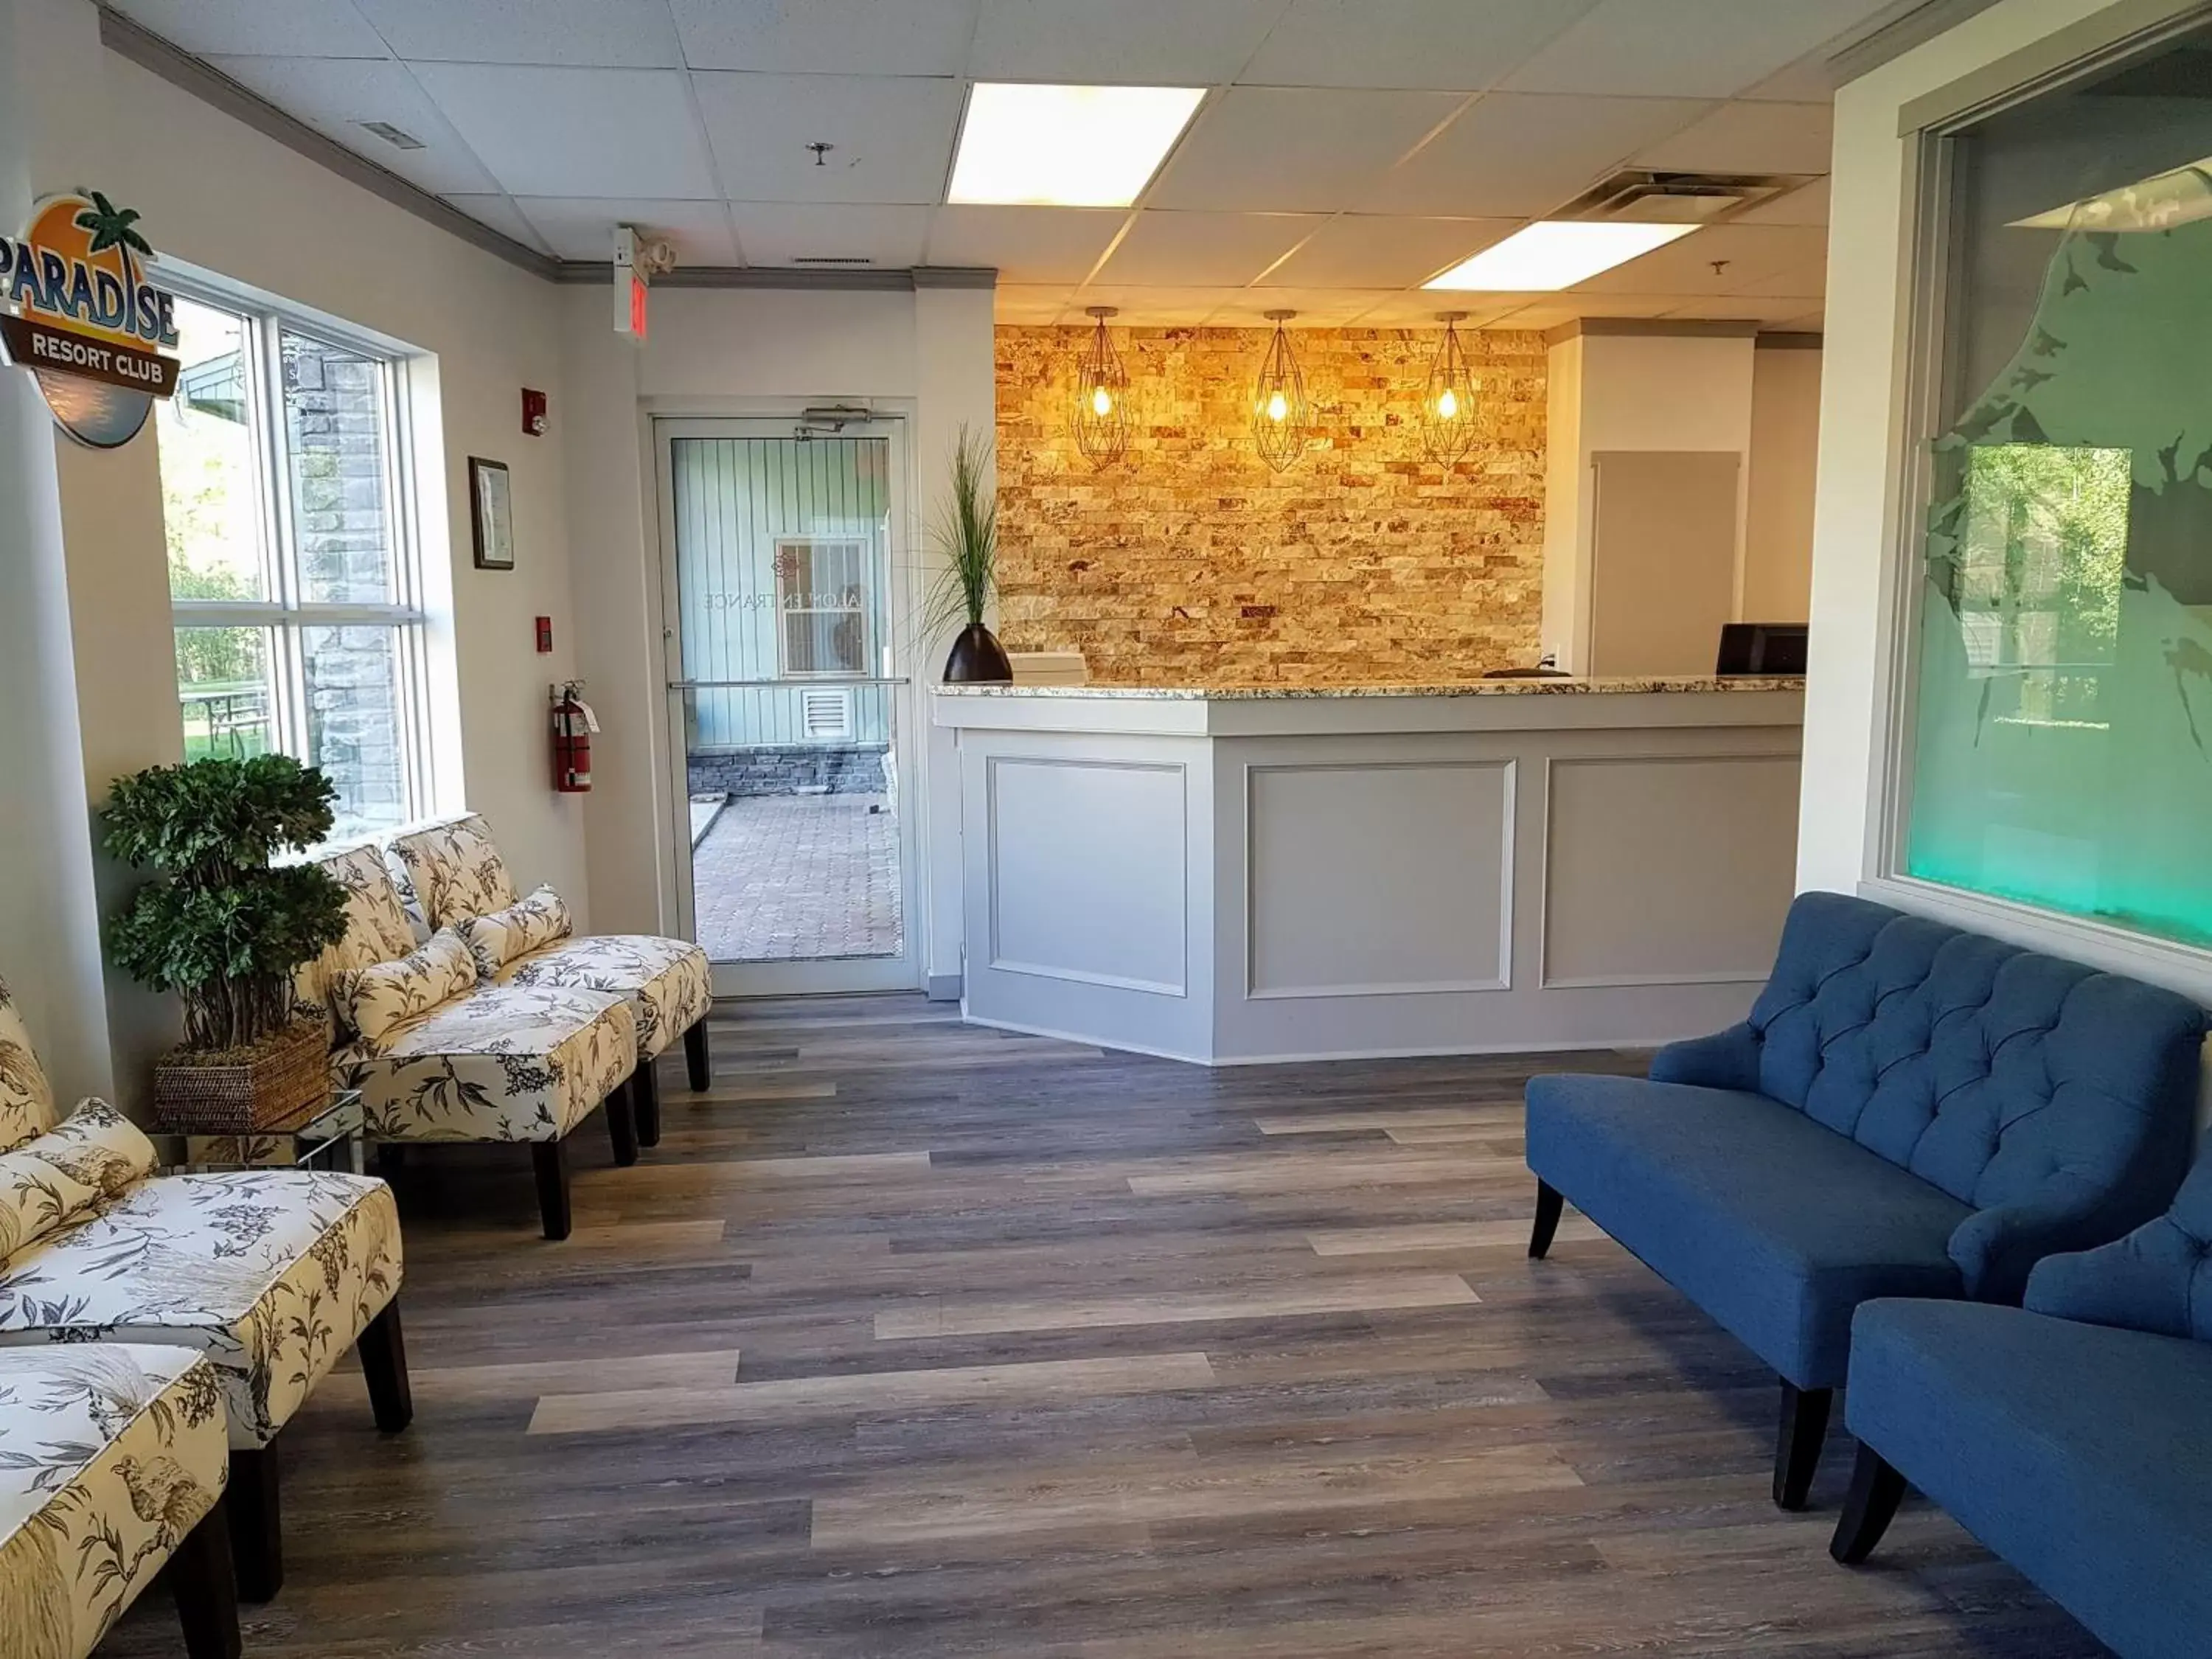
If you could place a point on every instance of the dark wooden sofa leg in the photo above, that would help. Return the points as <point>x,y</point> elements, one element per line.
<point>645,1102</point>
<point>383,1349</point>
<point>551,1159</point>
<point>697,1061</point>
<point>1804,1430</point>
<point>1876,1490</point>
<point>257,1537</point>
<point>1549,1203</point>
<point>622,1124</point>
<point>202,1577</point>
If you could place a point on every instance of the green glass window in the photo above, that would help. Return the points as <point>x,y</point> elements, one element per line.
<point>2062,710</point>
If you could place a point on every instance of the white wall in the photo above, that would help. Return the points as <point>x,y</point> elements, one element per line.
<point>1637,391</point>
<point>1776,583</point>
<point>925,356</point>
<point>1855,559</point>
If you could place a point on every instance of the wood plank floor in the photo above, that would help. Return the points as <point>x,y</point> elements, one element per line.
<point>912,1338</point>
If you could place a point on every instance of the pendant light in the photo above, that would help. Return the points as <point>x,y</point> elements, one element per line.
<point>1102,398</point>
<point>1448,401</point>
<point>1281,421</point>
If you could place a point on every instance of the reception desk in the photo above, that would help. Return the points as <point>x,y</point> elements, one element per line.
<point>1237,875</point>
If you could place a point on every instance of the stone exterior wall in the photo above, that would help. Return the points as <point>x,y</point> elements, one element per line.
<point>782,769</point>
<point>334,429</point>
<point>1189,561</point>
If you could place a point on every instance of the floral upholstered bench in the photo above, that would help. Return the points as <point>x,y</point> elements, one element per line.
<point>440,1056</point>
<point>271,1275</point>
<point>112,1460</point>
<point>450,875</point>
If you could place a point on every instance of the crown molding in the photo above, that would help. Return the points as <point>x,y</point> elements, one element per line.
<point>1680,328</point>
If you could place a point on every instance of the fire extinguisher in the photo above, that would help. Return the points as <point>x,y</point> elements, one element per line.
<point>572,726</point>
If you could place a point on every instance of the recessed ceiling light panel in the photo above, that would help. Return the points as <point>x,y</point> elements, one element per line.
<point>1556,253</point>
<point>1065,146</point>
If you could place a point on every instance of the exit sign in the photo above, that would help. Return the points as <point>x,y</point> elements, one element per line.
<point>630,286</point>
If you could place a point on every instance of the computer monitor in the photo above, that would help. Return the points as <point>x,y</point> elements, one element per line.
<point>1761,649</point>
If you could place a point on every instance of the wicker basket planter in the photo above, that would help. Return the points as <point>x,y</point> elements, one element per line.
<point>240,1091</point>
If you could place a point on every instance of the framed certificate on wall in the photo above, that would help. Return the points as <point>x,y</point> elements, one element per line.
<point>491,506</point>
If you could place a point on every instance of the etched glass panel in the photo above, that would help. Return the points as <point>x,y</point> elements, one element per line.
<point>2062,741</point>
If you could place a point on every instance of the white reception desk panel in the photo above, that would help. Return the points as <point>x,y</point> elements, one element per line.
<point>1243,876</point>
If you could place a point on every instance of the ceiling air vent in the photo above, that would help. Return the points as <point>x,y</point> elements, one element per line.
<point>832,259</point>
<point>1640,195</point>
<point>397,137</point>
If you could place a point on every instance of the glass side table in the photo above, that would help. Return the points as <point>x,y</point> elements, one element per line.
<point>330,1133</point>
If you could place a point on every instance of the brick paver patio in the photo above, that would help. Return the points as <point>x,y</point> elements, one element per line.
<point>792,878</point>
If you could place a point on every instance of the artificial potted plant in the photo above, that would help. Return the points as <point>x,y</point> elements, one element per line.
<point>228,930</point>
<point>966,536</point>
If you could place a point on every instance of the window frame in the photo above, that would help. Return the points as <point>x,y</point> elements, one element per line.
<point>785,612</point>
<point>284,615</point>
<point>1929,128</point>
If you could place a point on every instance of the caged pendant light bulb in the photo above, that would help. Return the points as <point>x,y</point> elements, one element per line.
<point>1102,398</point>
<point>1280,418</point>
<point>1447,401</point>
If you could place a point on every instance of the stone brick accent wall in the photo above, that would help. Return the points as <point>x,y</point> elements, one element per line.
<point>1189,561</point>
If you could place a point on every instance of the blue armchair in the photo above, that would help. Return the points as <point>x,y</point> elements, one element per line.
<point>1909,1111</point>
<point>2072,1436</point>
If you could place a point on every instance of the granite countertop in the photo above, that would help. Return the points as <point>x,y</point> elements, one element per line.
<point>1516,688</point>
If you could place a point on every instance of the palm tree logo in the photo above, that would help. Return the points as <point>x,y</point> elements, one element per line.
<point>111,227</point>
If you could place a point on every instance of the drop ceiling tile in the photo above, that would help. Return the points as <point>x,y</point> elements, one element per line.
<point>1447,45</point>
<point>335,95</point>
<point>1517,157</point>
<point>811,233</point>
<point>499,213</point>
<point>1225,250</point>
<point>297,28</point>
<point>1165,305</point>
<point>1288,150</point>
<point>1024,245</point>
<point>1183,42</point>
<point>582,227</point>
<point>891,136</point>
<point>1033,303</point>
<point>602,33</point>
<point>1802,283</point>
<point>1686,48</point>
<point>1376,251</point>
<point>827,37</point>
<point>576,132</point>
<point>1550,310</point>
<point>1805,206</point>
<point>1418,310</point>
<point>1740,307</point>
<point>1685,267</point>
<point>1745,137</point>
<point>1328,307</point>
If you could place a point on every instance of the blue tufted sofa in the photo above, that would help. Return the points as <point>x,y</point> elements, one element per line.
<point>1909,1111</point>
<point>2073,1437</point>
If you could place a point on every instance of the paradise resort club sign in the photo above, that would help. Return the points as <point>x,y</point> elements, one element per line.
<point>85,319</point>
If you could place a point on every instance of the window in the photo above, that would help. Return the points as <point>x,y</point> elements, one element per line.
<point>821,597</point>
<point>292,568</point>
<point>2061,737</point>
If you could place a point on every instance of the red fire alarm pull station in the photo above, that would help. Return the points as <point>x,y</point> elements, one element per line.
<point>544,634</point>
<point>534,419</point>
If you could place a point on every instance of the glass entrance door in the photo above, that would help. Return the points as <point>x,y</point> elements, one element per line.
<point>787,698</point>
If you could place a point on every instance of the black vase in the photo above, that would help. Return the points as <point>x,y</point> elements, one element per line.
<point>977,659</point>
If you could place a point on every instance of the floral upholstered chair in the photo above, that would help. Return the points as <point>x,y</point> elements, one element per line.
<point>450,875</point>
<point>113,1458</point>
<point>439,1056</point>
<point>271,1275</point>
